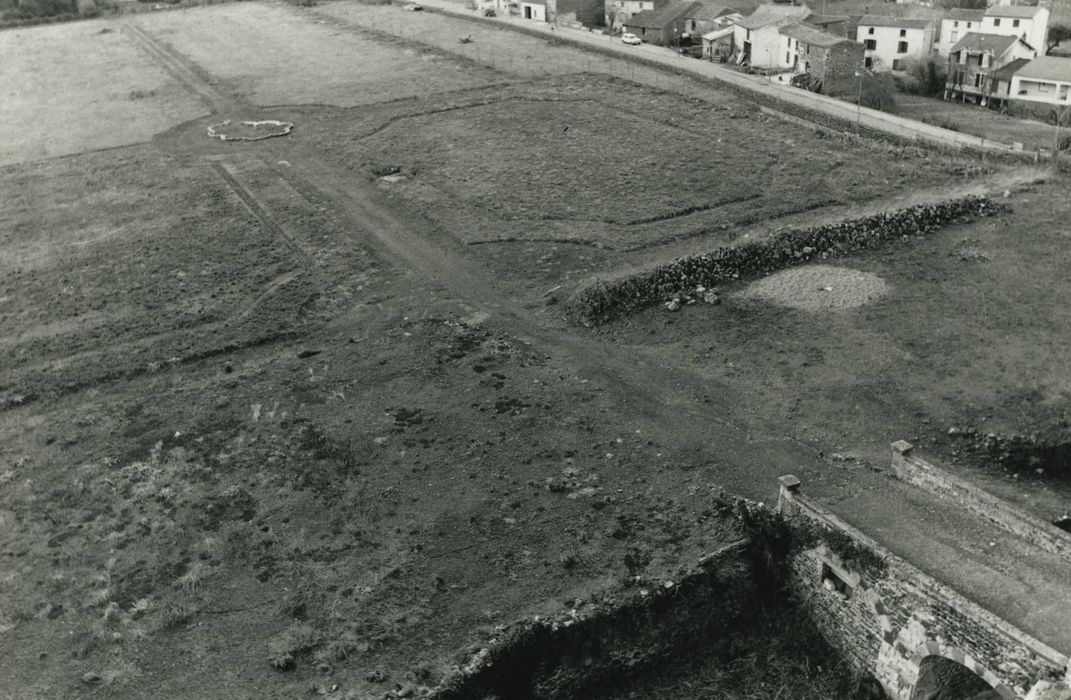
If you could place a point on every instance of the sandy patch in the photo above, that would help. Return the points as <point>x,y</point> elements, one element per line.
<point>818,288</point>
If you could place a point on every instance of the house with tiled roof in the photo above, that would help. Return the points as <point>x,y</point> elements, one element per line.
<point>831,62</point>
<point>618,12</point>
<point>954,26</point>
<point>1044,81</point>
<point>894,43</point>
<point>1029,23</point>
<point>707,16</point>
<point>756,39</point>
<point>663,26</point>
<point>972,60</point>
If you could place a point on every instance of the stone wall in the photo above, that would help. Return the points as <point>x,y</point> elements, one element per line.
<point>600,302</point>
<point>840,64</point>
<point>918,472</point>
<point>606,640</point>
<point>887,619</point>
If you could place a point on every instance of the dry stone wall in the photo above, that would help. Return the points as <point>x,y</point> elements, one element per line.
<point>603,302</point>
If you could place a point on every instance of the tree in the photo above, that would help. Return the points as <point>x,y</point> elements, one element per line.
<point>879,92</point>
<point>1057,33</point>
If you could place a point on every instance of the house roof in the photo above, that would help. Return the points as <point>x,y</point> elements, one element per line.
<point>978,42</point>
<point>661,16</point>
<point>774,15</point>
<point>901,22</point>
<point>963,13</point>
<point>1009,69</point>
<point>820,20</point>
<point>708,9</point>
<point>812,36</point>
<point>1016,11</point>
<point>1047,68</point>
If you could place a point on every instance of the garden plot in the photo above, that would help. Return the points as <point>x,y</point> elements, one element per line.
<point>71,88</point>
<point>278,56</point>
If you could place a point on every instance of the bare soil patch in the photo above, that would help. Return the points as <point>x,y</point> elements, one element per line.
<point>818,288</point>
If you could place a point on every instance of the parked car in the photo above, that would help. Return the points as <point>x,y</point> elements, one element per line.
<point>630,39</point>
<point>489,12</point>
<point>413,7</point>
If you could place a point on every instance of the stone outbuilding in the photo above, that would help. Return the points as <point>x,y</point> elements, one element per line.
<point>834,63</point>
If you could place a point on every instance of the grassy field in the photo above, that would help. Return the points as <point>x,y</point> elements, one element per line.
<point>975,120</point>
<point>272,55</point>
<point>272,425</point>
<point>971,334</point>
<point>70,88</point>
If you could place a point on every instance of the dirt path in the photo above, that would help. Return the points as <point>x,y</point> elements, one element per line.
<point>657,398</point>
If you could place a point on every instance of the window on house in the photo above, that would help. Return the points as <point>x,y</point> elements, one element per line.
<point>871,44</point>
<point>868,62</point>
<point>996,22</point>
<point>870,31</point>
<point>968,25</point>
<point>788,57</point>
<point>956,24</point>
<point>954,36</point>
<point>901,47</point>
<point>903,32</point>
<point>897,64</point>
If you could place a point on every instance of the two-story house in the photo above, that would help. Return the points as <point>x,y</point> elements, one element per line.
<point>894,43</point>
<point>618,12</point>
<point>973,59</point>
<point>954,26</point>
<point>756,40</point>
<point>833,62</point>
<point>1029,23</point>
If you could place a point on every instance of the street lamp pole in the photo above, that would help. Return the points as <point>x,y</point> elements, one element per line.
<point>859,98</point>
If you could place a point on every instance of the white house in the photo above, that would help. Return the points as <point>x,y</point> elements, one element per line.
<point>619,12</point>
<point>535,10</point>
<point>1031,24</point>
<point>893,43</point>
<point>1046,79</point>
<point>956,25</point>
<point>756,39</point>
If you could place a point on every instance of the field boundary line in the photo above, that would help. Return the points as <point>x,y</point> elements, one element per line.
<point>254,207</point>
<point>182,70</point>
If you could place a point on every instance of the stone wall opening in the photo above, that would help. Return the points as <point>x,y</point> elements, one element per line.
<point>945,679</point>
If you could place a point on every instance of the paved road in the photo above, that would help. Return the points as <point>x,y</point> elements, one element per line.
<point>669,402</point>
<point>869,118</point>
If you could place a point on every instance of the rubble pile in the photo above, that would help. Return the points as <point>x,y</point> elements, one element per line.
<point>603,302</point>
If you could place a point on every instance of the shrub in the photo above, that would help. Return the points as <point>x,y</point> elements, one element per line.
<point>284,646</point>
<point>36,9</point>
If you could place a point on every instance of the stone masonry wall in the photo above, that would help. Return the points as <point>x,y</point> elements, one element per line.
<point>842,61</point>
<point>604,302</point>
<point>887,618</point>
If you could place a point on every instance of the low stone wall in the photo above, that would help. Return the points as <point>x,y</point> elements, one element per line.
<point>604,302</point>
<point>603,642</point>
<point>886,619</point>
<point>926,476</point>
